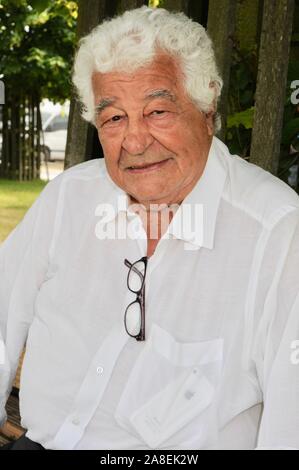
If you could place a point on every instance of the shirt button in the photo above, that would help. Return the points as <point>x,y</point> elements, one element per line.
<point>76,421</point>
<point>100,370</point>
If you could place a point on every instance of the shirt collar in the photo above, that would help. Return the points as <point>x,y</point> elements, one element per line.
<point>202,202</point>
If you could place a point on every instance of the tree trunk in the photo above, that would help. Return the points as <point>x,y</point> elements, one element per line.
<point>124,5</point>
<point>271,83</point>
<point>176,5</point>
<point>20,153</point>
<point>80,132</point>
<point>221,28</point>
<point>82,141</point>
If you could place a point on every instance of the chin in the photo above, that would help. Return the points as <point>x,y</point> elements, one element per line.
<point>146,199</point>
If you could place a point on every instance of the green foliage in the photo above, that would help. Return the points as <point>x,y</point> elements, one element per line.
<point>155,3</point>
<point>241,112</point>
<point>290,131</point>
<point>37,39</point>
<point>247,24</point>
<point>243,84</point>
<point>241,101</point>
<point>244,118</point>
<point>15,199</point>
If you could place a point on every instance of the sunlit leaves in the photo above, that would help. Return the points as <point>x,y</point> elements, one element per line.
<point>37,40</point>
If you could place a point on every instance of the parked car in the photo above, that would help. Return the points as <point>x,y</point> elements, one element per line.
<point>54,135</point>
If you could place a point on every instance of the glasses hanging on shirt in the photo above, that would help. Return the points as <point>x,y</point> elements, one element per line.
<point>134,319</point>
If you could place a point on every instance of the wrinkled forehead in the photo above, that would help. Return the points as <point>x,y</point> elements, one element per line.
<point>163,73</point>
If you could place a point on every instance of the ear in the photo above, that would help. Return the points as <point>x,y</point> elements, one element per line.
<point>210,117</point>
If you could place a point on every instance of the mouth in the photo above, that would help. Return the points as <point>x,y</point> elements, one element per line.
<point>147,168</point>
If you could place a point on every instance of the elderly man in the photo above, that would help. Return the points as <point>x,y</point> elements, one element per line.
<point>157,289</point>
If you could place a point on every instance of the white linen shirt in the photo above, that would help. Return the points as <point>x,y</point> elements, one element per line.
<point>219,368</point>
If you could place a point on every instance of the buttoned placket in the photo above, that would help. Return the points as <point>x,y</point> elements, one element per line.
<point>91,391</point>
<point>100,370</point>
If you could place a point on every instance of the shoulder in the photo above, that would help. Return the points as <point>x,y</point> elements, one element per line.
<point>89,171</point>
<point>255,191</point>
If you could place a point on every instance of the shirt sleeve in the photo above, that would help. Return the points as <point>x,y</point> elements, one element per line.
<point>23,265</point>
<point>276,343</point>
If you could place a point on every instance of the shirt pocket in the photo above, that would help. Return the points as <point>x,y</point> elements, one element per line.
<point>169,400</point>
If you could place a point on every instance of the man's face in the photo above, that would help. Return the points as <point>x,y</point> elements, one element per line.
<point>146,118</point>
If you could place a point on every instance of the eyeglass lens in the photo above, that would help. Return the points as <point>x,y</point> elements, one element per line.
<point>133,318</point>
<point>136,276</point>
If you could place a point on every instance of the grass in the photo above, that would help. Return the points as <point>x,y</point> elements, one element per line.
<point>15,199</point>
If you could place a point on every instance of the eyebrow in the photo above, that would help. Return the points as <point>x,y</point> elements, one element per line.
<point>103,104</point>
<point>160,93</point>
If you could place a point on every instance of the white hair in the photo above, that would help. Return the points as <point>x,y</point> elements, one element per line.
<point>131,40</point>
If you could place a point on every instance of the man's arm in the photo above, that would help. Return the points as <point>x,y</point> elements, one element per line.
<point>23,265</point>
<point>276,337</point>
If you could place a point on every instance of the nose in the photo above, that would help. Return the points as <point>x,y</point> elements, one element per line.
<point>137,137</point>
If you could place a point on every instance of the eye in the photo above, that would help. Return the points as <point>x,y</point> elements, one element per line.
<point>112,121</point>
<point>157,112</point>
<point>115,119</point>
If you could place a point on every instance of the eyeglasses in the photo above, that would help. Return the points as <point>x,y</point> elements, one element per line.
<point>135,312</point>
